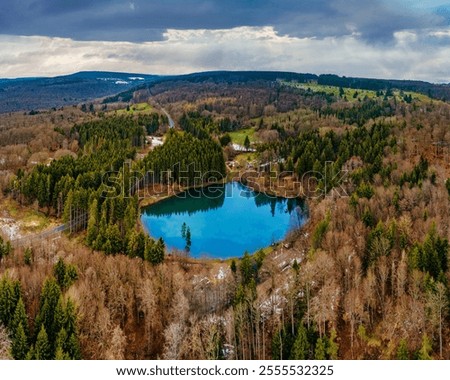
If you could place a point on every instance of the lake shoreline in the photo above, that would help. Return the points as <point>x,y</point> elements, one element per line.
<point>257,187</point>
<point>148,201</point>
<point>226,221</point>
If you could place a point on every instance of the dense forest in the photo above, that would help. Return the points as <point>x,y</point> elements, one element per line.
<point>365,278</point>
<point>191,160</point>
<point>95,190</point>
<point>226,78</point>
<point>54,334</point>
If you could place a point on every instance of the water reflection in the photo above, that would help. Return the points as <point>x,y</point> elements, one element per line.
<point>224,220</point>
<point>189,202</point>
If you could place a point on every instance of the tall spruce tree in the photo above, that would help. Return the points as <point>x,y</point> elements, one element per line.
<point>333,347</point>
<point>247,142</point>
<point>19,346</point>
<point>9,297</point>
<point>301,347</point>
<point>20,318</point>
<point>92,229</point>
<point>320,352</point>
<point>50,309</point>
<point>42,348</point>
<point>402,350</point>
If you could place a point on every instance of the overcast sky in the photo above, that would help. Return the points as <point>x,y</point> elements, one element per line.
<point>407,39</point>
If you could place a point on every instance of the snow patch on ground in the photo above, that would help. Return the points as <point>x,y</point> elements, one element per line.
<point>10,228</point>
<point>298,259</point>
<point>273,304</point>
<point>240,148</point>
<point>222,274</point>
<point>155,141</point>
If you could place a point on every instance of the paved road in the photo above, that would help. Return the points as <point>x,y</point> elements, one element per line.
<point>27,239</point>
<point>171,122</point>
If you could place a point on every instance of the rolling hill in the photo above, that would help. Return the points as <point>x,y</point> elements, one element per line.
<point>27,94</point>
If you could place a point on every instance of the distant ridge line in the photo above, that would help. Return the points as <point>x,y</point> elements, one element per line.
<point>36,93</point>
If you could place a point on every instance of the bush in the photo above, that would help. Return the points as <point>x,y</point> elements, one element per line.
<point>365,190</point>
<point>320,232</point>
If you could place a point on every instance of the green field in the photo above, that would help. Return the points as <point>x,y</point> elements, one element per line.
<point>349,93</point>
<point>238,137</point>
<point>134,108</point>
<point>246,157</point>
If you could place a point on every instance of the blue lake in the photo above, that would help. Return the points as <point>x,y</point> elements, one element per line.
<point>224,220</point>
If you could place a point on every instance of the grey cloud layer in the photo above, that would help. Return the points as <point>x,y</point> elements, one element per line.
<point>375,38</point>
<point>409,56</point>
<point>145,20</point>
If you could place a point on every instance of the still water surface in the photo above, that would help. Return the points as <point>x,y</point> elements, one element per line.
<point>224,220</point>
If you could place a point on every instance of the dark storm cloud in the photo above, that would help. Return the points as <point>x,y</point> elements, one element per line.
<point>146,20</point>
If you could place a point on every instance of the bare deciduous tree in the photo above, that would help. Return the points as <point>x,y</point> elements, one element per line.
<point>5,344</point>
<point>437,303</point>
<point>117,344</point>
<point>174,336</point>
<point>324,306</point>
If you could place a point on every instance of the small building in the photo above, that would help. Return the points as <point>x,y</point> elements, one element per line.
<point>232,164</point>
<point>242,149</point>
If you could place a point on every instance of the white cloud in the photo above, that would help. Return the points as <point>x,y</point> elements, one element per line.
<point>410,56</point>
<point>444,33</point>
